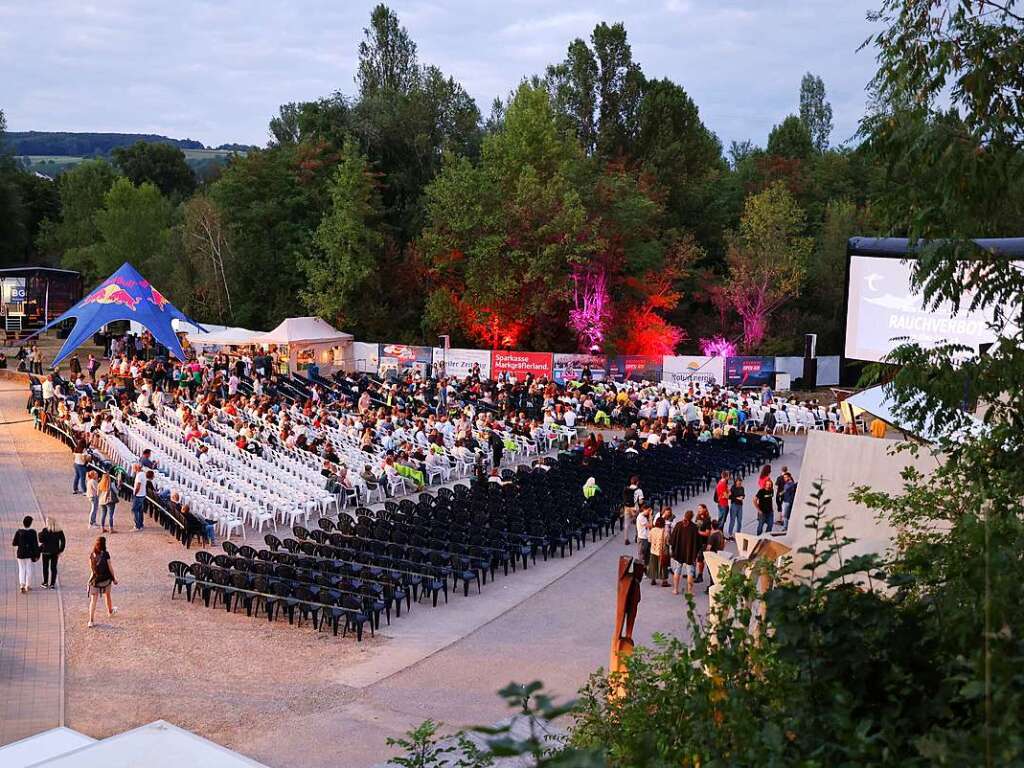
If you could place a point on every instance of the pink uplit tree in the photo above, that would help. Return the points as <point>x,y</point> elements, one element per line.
<point>591,306</point>
<point>717,346</point>
<point>767,260</point>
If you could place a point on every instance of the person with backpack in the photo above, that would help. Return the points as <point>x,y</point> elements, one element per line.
<point>26,544</point>
<point>101,578</point>
<point>51,543</point>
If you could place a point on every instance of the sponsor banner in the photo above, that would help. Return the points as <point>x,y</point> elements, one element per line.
<point>635,368</point>
<point>682,370</point>
<point>404,357</point>
<point>366,357</point>
<point>749,371</point>
<point>519,364</point>
<point>457,363</point>
<point>570,367</point>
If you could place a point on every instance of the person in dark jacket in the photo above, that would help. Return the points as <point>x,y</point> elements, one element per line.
<point>26,544</point>
<point>51,544</point>
<point>497,446</point>
<point>685,543</point>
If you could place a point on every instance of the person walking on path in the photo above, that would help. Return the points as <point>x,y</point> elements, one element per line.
<point>92,493</point>
<point>108,500</point>
<point>632,499</point>
<point>101,579</point>
<point>722,497</point>
<point>81,459</point>
<point>659,553</point>
<point>763,504</point>
<point>736,497</point>
<point>52,544</point>
<point>26,544</point>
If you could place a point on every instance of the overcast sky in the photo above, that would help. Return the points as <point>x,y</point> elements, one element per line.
<point>217,71</point>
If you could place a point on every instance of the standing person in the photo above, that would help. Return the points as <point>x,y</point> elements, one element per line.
<point>108,489</point>
<point>643,534</point>
<point>765,476</point>
<point>763,505</point>
<point>737,495</point>
<point>630,505</point>
<point>81,459</point>
<point>51,544</point>
<point>26,544</point>
<point>48,394</point>
<point>497,448</point>
<point>788,497</point>
<point>780,486</point>
<point>686,543</point>
<point>139,492</point>
<point>722,497</point>
<point>659,552</point>
<point>100,579</point>
<point>92,493</point>
<point>703,522</point>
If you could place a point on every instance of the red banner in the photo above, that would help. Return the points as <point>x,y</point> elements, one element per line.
<point>521,363</point>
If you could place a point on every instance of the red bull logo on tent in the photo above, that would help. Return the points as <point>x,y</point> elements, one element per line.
<point>157,299</point>
<point>111,293</point>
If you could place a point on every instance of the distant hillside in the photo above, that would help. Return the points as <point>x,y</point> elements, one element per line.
<point>51,153</point>
<point>52,143</point>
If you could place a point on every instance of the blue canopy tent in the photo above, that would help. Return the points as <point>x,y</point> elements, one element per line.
<point>125,295</point>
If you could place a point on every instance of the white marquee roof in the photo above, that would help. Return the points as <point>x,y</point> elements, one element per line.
<point>303,329</point>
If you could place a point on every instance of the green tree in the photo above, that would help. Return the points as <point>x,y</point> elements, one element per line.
<point>133,225</point>
<point>573,87</point>
<point>271,202</point>
<point>683,156</point>
<point>68,239</point>
<point>387,56</point>
<point>14,236</point>
<point>815,111</point>
<point>791,138</point>
<point>160,164</point>
<point>619,88</point>
<point>342,270</point>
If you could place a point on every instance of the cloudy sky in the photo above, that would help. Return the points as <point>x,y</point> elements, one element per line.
<point>217,71</point>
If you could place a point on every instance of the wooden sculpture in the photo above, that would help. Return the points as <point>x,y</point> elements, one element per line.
<point>631,575</point>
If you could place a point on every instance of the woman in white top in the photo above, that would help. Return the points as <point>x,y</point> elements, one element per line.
<point>92,492</point>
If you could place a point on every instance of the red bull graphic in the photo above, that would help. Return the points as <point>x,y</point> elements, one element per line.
<point>157,299</point>
<point>112,293</point>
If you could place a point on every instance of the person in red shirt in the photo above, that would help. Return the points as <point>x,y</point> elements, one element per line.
<point>722,497</point>
<point>765,478</point>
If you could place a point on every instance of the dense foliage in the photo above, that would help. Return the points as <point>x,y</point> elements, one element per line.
<point>592,207</point>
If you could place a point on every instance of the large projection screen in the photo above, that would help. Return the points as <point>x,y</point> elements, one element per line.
<point>883,312</point>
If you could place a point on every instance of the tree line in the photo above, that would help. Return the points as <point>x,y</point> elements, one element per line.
<point>591,206</point>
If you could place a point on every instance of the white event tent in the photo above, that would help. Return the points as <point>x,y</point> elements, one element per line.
<point>301,341</point>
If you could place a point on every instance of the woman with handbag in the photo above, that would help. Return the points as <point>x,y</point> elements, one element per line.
<point>26,544</point>
<point>101,578</point>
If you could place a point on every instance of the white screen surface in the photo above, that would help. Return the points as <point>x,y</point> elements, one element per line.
<point>882,308</point>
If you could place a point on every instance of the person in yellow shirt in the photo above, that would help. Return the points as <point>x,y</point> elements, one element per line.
<point>878,428</point>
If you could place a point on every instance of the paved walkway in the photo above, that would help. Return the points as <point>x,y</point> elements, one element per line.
<point>31,626</point>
